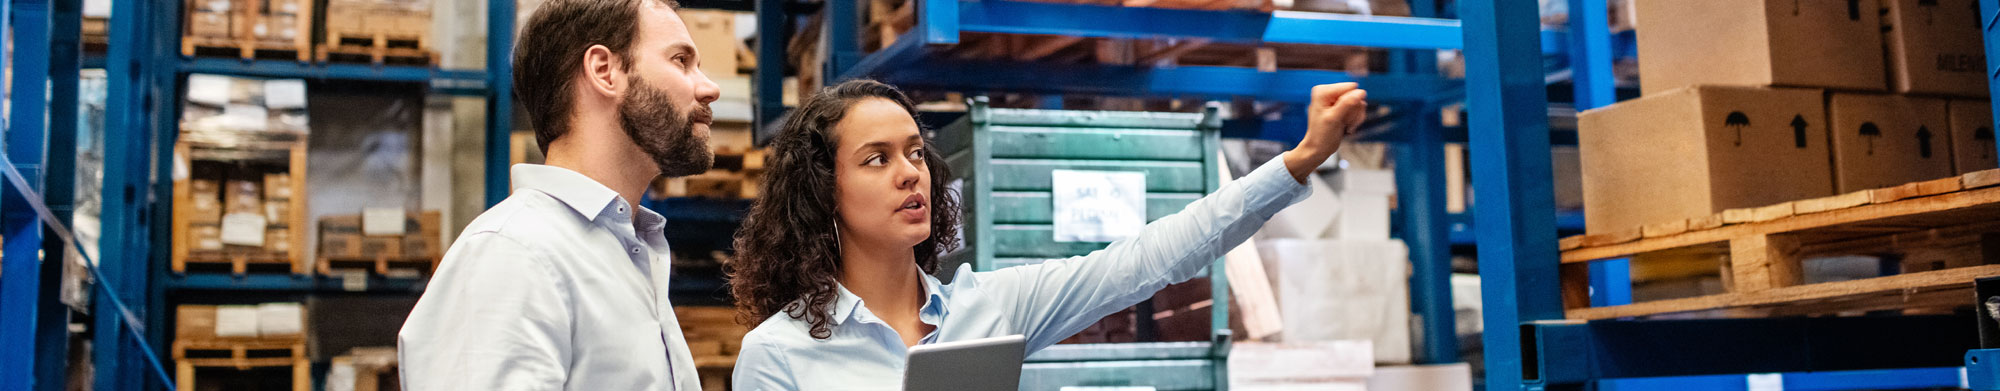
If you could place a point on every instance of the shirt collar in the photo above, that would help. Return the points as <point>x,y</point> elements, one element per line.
<point>932,311</point>
<point>588,197</point>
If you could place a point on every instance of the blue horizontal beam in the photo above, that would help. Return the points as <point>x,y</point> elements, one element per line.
<point>1388,32</point>
<point>291,283</point>
<point>447,81</point>
<point>1575,352</point>
<point>1881,379</point>
<point>1196,82</point>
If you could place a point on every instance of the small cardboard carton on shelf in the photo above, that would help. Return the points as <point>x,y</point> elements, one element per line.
<point>340,236</point>
<point>210,24</point>
<point>1888,140</point>
<point>1696,151</point>
<point>1934,47</point>
<point>1760,43</point>
<point>204,201</point>
<point>1972,146</point>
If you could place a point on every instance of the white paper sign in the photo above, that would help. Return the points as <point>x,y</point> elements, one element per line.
<point>382,221</point>
<point>243,229</point>
<point>1098,206</point>
<point>248,118</point>
<point>285,94</point>
<point>275,319</point>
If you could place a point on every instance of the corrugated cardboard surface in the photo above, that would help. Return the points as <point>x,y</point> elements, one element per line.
<point>1894,154</point>
<point>1760,43</point>
<point>1972,146</point>
<point>1696,151</point>
<point>1935,47</point>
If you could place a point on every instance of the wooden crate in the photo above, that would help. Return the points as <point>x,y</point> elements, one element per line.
<point>1944,232</point>
<point>378,32</point>
<point>253,32</point>
<point>242,261</point>
<point>712,334</point>
<point>241,355</point>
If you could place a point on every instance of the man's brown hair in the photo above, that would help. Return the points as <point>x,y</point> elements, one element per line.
<point>548,55</point>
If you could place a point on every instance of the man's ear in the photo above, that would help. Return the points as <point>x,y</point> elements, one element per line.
<point>603,71</point>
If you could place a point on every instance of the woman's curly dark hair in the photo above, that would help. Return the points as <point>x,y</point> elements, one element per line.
<point>788,252</point>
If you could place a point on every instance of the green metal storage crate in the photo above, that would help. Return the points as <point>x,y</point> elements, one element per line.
<point>1005,157</point>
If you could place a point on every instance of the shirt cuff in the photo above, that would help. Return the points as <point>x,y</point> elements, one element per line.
<point>1273,188</point>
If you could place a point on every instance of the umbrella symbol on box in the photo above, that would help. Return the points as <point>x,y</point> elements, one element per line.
<point>1799,131</point>
<point>1985,136</point>
<point>1924,141</point>
<point>1736,120</point>
<point>1871,132</point>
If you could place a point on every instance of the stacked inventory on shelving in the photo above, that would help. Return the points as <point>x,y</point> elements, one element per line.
<point>1757,111</point>
<point>379,31</point>
<point>382,241</point>
<point>248,30</point>
<point>240,175</point>
<point>240,337</point>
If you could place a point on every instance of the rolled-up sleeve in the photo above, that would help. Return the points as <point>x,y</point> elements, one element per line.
<point>1055,299</point>
<point>496,317</point>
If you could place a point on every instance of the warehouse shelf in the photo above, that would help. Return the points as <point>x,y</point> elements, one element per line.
<point>1882,379</point>
<point>461,82</point>
<point>295,283</point>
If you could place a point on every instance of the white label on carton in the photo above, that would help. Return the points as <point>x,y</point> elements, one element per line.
<point>1765,381</point>
<point>208,89</point>
<point>277,319</point>
<point>283,94</point>
<point>382,221</point>
<point>243,229</point>
<point>236,321</point>
<point>1098,206</point>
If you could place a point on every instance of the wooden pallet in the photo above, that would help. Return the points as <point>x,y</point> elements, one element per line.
<point>383,266</point>
<point>242,355</point>
<point>377,48</point>
<point>238,263</point>
<point>1941,229</point>
<point>193,45</point>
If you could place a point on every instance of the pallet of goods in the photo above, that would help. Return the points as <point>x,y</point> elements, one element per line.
<point>240,203</point>
<point>240,338</point>
<point>378,32</point>
<point>386,242</point>
<point>252,29</point>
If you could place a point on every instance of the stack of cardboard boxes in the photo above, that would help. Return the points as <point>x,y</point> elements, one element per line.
<point>377,25</point>
<point>240,337</point>
<point>283,22</point>
<point>213,18</point>
<point>260,210</point>
<point>380,235</point>
<point>243,152</point>
<point>1752,103</point>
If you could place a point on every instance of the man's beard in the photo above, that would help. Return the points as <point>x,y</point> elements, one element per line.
<point>657,127</point>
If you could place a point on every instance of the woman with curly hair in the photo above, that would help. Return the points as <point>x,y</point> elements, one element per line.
<point>834,262</point>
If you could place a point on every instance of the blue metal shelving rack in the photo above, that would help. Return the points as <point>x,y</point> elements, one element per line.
<point>144,70</point>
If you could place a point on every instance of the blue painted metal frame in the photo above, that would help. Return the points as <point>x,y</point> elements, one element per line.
<point>1420,184</point>
<point>20,260</point>
<point>127,175</point>
<point>1883,379</point>
<point>1506,99</point>
<point>1982,369</point>
<point>455,82</point>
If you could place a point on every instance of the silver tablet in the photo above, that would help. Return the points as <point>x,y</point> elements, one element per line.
<point>985,364</point>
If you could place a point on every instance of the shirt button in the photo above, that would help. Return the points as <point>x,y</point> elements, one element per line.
<point>635,250</point>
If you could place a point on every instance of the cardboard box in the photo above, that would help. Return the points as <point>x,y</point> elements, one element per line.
<point>204,202</point>
<point>339,245</point>
<point>194,322</point>
<point>289,7</point>
<point>1972,146</point>
<point>277,28</point>
<point>278,212</point>
<point>205,237</point>
<point>714,34</point>
<point>1696,151</point>
<point>210,24</point>
<point>381,246</point>
<point>420,245</point>
<point>1935,47</point>
<point>280,320</point>
<point>1887,140</point>
<point>1760,43</point>
<point>278,239</point>
<point>243,197</point>
<point>214,6</point>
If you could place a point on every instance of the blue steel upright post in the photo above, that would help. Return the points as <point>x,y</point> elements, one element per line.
<point>1507,101</point>
<point>499,97</point>
<point>126,198</point>
<point>58,188</point>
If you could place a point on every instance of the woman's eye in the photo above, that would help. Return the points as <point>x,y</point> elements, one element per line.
<point>873,160</point>
<point>917,155</point>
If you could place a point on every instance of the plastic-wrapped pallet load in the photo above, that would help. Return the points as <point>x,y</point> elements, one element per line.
<point>1330,290</point>
<point>1328,366</point>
